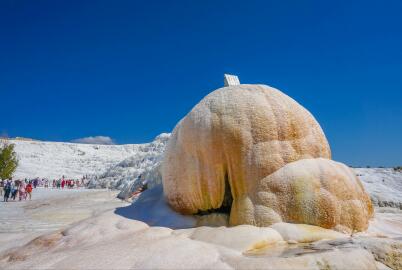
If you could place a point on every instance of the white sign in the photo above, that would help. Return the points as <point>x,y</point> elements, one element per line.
<point>230,80</point>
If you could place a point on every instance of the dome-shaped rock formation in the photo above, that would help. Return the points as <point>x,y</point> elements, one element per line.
<point>255,152</point>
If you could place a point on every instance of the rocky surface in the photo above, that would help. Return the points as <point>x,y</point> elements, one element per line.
<point>110,240</point>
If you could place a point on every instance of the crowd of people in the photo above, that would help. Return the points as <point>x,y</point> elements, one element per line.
<point>22,189</point>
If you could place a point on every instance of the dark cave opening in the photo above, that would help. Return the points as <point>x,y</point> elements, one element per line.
<point>226,205</point>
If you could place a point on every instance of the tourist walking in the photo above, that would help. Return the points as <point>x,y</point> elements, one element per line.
<point>7,190</point>
<point>28,191</point>
<point>14,190</point>
<point>21,191</point>
<point>35,182</point>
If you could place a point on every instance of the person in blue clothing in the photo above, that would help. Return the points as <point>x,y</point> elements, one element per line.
<point>14,190</point>
<point>7,190</point>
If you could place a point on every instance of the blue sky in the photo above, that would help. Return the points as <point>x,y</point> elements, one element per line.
<point>132,69</point>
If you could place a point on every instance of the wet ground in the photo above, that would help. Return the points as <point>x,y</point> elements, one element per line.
<point>300,249</point>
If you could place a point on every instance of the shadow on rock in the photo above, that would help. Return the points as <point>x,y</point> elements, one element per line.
<point>152,209</point>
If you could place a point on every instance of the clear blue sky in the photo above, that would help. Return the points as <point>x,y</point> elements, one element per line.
<point>132,69</point>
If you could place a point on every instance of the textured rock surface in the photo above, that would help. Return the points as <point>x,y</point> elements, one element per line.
<point>142,164</point>
<point>310,191</point>
<point>242,238</point>
<point>109,241</point>
<point>111,166</point>
<point>239,148</point>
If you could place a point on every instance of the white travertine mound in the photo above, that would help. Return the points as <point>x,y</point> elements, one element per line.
<point>128,174</point>
<point>121,167</point>
<point>383,184</point>
<point>238,151</point>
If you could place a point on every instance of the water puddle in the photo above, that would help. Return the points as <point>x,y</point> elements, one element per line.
<point>295,250</point>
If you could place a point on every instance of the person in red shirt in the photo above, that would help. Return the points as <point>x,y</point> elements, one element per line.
<point>63,182</point>
<point>28,190</point>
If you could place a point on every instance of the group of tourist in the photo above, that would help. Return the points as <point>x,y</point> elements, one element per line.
<point>67,183</point>
<point>22,189</point>
<point>12,189</point>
